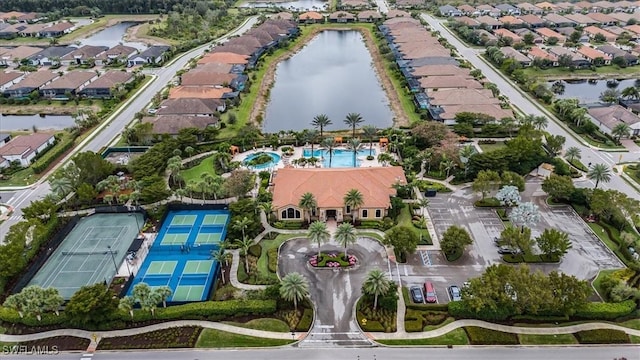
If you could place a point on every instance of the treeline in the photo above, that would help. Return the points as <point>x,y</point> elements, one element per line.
<point>110,7</point>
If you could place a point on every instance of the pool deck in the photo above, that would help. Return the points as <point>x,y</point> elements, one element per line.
<point>298,153</point>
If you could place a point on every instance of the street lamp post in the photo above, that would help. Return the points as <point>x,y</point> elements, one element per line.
<point>113,258</point>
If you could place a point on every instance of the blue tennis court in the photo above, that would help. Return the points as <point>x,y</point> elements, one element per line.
<point>180,256</point>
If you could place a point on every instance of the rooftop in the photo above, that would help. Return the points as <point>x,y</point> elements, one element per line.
<point>71,80</point>
<point>23,145</point>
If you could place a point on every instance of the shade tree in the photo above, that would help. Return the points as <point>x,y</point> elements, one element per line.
<point>553,243</point>
<point>560,188</point>
<point>454,240</point>
<point>485,182</point>
<point>403,239</point>
<point>92,305</point>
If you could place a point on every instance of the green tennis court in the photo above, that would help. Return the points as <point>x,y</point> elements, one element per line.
<point>162,267</point>
<point>174,239</point>
<point>208,239</point>
<point>215,219</point>
<point>183,220</point>
<point>188,293</point>
<point>198,267</point>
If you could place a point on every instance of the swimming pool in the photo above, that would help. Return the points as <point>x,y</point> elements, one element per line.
<point>340,158</point>
<point>275,159</point>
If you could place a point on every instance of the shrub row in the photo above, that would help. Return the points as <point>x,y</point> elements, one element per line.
<point>602,336</point>
<point>272,260</point>
<point>488,202</point>
<point>11,316</point>
<point>255,250</point>
<point>481,336</point>
<point>539,318</point>
<point>290,225</point>
<point>458,310</point>
<point>58,149</point>
<point>530,258</point>
<point>305,321</point>
<point>605,311</point>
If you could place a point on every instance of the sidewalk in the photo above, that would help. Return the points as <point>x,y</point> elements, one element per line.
<point>233,276</point>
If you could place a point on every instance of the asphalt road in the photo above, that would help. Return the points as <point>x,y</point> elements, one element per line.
<point>417,353</point>
<point>111,129</point>
<point>508,89</point>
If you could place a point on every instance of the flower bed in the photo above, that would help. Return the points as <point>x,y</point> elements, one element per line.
<point>332,260</point>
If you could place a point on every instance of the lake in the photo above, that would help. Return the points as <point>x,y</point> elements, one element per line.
<point>290,5</point>
<point>26,122</point>
<point>334,75</point>
<point>112,36</point>
<point>589,92</point>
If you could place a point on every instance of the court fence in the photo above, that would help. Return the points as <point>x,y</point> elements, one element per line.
<point>43,255</point>
<point>181,206</point>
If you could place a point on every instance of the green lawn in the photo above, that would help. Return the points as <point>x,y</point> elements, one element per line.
<point>266,324</point>
<point>529,339</point>
<point>404,219</point>
<point>491,147</point>
<point>195,173</point>
<point>634,339</point>
<point>604,236</point>
<point>598,280</point>
<point>632,324</point>
<point>210,338</point>
<point>447,321</point>
<point>263,261</point>
<point>455,337</point>
<point>632,174</point>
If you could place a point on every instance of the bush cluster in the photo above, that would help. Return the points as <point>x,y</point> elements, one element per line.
<point>488,202</point>
<point>272,257</point>
<point>255,250</point>
<point>305,321</point>
<point>416,320</point>
<point>605,311</point>
<point>47,158</point>
<point>289,225</point>
<point>481,336</point>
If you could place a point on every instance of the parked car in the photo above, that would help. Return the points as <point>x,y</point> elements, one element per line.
<point>507,250</point>
<point>454,293</point>
<point>416,295</point>
<point>430,292</point>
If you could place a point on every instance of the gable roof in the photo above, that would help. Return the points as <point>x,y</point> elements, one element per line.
<point>153,51</point>
<point>439,70</point>
<point>592,53</point>
<point>87,51</point>
<point>71,80</point>
<point>329,185</point>
<point>223,57</point>
<point>35,79</point>
<point>172,124</point>
<point>610,116</point>
<point>531,19</point>
<point>509,19</point>
<point>189,106</point>
<point>118,51</point>
<point>311,15</point>
<point>536,52</point>
<point>7,76</point>
<point>341,15</point>
<point>206,78</point>
<point>200,92</point>
<point>24,144</point>
<point>109,79</point>
<point>59,27</point>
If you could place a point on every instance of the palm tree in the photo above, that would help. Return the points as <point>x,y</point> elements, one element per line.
<point>376,284</point>
<point>174,166</point>
<point>61,186</point>
<point>242,225</point>
<point>213,182</point>
<point>423,203</point>
<point>369,132</point>
<point>321,121</point>
<point>318,234</point>
<point>630,92</point>
<point>203,188</point>
<point>223,159</point>
<point>448,165</point>
<point>267,207</point>
<point>353,119</point>
<point>220,256</point>
<point>328,144</point>
<point>345,236</point>
<point>308,203</point>
<point>189,150</point>
<point>385,158</point>
<point>294,287</point>
<point>353,200</point>
<point>540,122</point>
<point>244,245</point>
<point>354,145</point>
<point>311,137</point>
<point>465,154</point>
<point>572,153</point>
<point>599,172</point>
<point>126,304</point>
<point>620,130</point>
<point>17,302</point>
<point>163,292</point>
<point>180,193</point>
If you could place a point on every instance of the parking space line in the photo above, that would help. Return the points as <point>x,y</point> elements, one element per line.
<point>426,260</point>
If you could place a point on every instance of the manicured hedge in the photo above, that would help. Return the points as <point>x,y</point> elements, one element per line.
<point>539,318</point>
<point>458,310</point>
<point>272,257</point>
<point>290,225</point>
<point>481,336</point>
<point>602,336</point>
<point>305,321</point>
<point>370,224</point>
<point>52,154</point>
<point>605,311</point>
<point>11,316</point>
<point>255,250</point>
<point>413,325</point>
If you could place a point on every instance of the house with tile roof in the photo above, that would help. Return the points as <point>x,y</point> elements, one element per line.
<point>9,78</point>
<point>547,34</point>
<point>172,124</point>
<point>538,53</point>
<point>615,52</point>
<point>369,16</point>
<point>528,8</point>
<point>594,56</point>
<point>490,22</point>
<point>24,148</point>
<point>57,30</point>
<point>191,106</point>
<point>311,17</point>
<point>512,53</point>
<point>341,17</point>
<point>507,34</point>
<point>31,82</point>
<point>580,19</point>
<point>103,86</point>
<point>201,92</point>
<point>532,20</point>
<point>153,55</point>
<point>607,117</point>
<point>592,31</point>
<point>70,83</point>
<point>224,58</point>
<point>329,186</point>
<point>603,19</point>
<point>82,55</point>
<point>117,54</point>
<point>50,56</point>
<point>511,21</point>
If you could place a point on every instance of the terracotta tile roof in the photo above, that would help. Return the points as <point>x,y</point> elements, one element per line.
<point>118,51</point>
<point>215,67</point>
<point>341,15</point>
<point>580,18</point>
<point>467,21</point>
<point>633,28</point>
<point>223,57</point>
<point>311,15</point>
<point>248,41</point>
<point>206,78</point>
<point>282,15</point>
<point>7,76</point>
<point>35,79</point>
<point>486,19</point>
<point>601,18</point>
<point>466,8</point>
<point>420,52</point>
<point>531,19</point>
<point>610,116</point>
<point>393,13</point>
<point>21,52</point>
<point>462,97</point>
<point>236,49</point>
<point>109,79</point>
<point>402,19</point>
<point>593,30</point>
<point>61,26</point>
<point>510,52</point>
<point>71,80</point>
<point>200,92</point>
<point>189,106</point>
<point>330,185</point>
<point>449,82</point>
<point>592,53</point>
<point>510,20</point>
<point>172,124</point>
<point>546,5</point>
<point>508,34</point>
<point>536,52</point>
<point>24,144</point>
<point>548,33</point>
<point>440,70</point>
<point>364,15</point>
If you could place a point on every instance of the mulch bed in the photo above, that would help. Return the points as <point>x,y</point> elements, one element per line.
<point>59,343</point>
<point>179,337</point>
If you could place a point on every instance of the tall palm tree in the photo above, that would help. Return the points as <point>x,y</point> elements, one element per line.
<point>354,145</point>
<point>447,165</point>
<point>244,245</point>
<point>311,137</point>
<point>163,292</point>
<point>220,256</point>
<point>385,158</point>
<point>223,159</point>
<point>630,92</point>
<point>423,203</point>
<point>540,122</point>
<point>318,234</point>
<point>376,284</point>
<point>294,287</point>
<point>267,207</point>
<point>599,172</point>
<point>353,200</point>
<point>242,225</point>
<point>308,203</point>
<point>345,236</point>
<point>61,186</point>
<point>369,132</point>
<point>572,153</point>
<point>328,145</point>
<point>213,182</point>
<point>321,121</point>
<point>126,304</point>
<point>203,188</point>
<point>174,166</point>
<point>353,119</point>
<point>620,130</point>
<point>465,154</point>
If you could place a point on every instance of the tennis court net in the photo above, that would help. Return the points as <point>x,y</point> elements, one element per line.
<point>87,253</point>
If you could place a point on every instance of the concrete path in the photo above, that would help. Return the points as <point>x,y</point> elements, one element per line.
<point>233,276</point>
<point>435,242</point>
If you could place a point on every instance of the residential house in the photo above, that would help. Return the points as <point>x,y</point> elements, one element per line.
<point>369,16</point>
<point>311,17</point>
<point>118,54</point>
<point>568,7</point>
<point>607,117</point>
<point>547,6</point>
<point>33,30</point>
<point>468,10</point>
<point>537,39</point>
<point>9,78</point>
<point>201,92</point>
<point>470,22</point>
<point>491,22</point>
<point>57,30</point>
<point>533,21</point>
<point>68,84</point>
<point>539,53</point>
<point>439,70</point>
<point>603,19</point>
<point>329,186</point>
<point>508,9</point>
<point>104,86</point>
<point>577,60</point>
<point>395,13</point>
<point>31,82</point>
<point>448,116</point>
<point>528,8</point>
<point>192,106</point>
<point>448,82</point>
<point>581,20</point>
<point>154,55</point>
<point>557,20</point>
<point>353,4</point>
<point>172,124</point>
<point>444,104</point>
<point>615,52</point>
<point>50,56</point>
<point>224,58</point>
<point>13,56</point>
<point>634,30</point>
<point>282,16</point>
<point>488,10</point>
<point>24,148</point>
<point>592,31</point>
<point>594,56</point>
<point>510,52</point>
<point>8,31</point>
<point>448,11</point>
<point>83,55</point>
<point>585,6</point>
<point>615,30</point>
<point>511,21</point>
<point>202,78</point>
<point>624,17</point>
<point>341,17</point>
<point>547,34</point>
<point>411,4</point>
<point>20,17</point>
<point>504,33</point>
<point>486,38</point>
<point>603,6</point>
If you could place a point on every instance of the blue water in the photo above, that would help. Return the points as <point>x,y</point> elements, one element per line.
<point>272,163</point>
<point>341,158</point>
<point>159,252</point>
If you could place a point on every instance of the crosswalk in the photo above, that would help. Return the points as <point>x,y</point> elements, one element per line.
<point>15,217</point>
<point>87,356</point>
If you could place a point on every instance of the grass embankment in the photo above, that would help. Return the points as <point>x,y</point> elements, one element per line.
<point>633,173</point>
<point>599,230</point>
<point>491,147</point>
<point>559,339</point>
<point>404,219</point>
<point>263,261</point>
<point>455,337</point>
<point>598,280</point>
<point>210,338</point>
<point>265,324</point>
<point>195,173</point>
